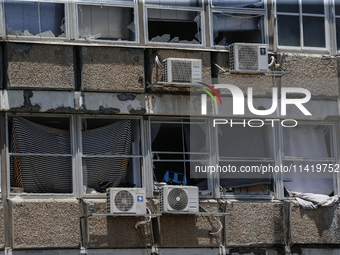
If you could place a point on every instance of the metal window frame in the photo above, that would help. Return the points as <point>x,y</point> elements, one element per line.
<point>174,8</point>
<point>80,150</point>
<point>244,11</point>
<point>271,159</point>
<point>174,120</point>
<point>300,14</point>
<point>73,155</point>
<point>335,29</point>
<point>334,150</point>
<point>108,3</point>
<point>34,38</point>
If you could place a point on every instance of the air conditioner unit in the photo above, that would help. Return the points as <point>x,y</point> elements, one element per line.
<point>182,70</point>
<point>126,201</point>
<point>248,57</point>
<point>179,199</point>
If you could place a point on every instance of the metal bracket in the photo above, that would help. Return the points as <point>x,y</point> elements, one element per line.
<point>120,215</point>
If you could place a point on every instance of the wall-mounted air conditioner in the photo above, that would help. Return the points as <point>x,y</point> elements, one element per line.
<point>248,57</point>
<point>182,70</point>
<point>179,199</point>
<point>126,201</point>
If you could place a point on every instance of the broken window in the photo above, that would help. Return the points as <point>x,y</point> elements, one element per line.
<point>111,154</point>
<point>167,24</point>
<point>178,145</point>
<point>233,22</point>
<point>103,22</point>
<point>301,23</point>
<point>40,153</point>
<point>35,19</point>
<point>245,147</point>
<point>308,148</point>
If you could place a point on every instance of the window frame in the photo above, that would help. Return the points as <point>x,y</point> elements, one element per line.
<point>174,8</point>
<point>300,14</point>
<point>333,148</point>
<point>115,3</point>
<point>81,155</point>
<point>271,159</point>
<point>73,155</point>
<point>173,120</point>
<point>34,38</point>
<point>246,11</point>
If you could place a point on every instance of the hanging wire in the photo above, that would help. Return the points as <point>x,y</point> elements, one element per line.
<point>140,233</point>
<point>219,222</point>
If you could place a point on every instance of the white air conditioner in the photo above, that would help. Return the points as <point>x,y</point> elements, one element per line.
<point>179,199</point>
<point>248,57</point>
<point>182,70</point>
<point>126,201</point>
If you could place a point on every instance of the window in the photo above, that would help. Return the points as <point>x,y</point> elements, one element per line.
<point>238,21</point>
<point>35,19</point>
<point>337,22</point>
<point>240,146</point>
<point>40,154</point>
<point>174,22</point>
<point>111,154</point>
<point>177,147</point>
<point>302,24</point>
<point>308,147</point>
<point>107,21</point>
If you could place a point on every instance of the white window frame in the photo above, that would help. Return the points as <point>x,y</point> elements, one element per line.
<point>73,155</point>
<point>174,8</point>
<point>334,151</point>
<point>81,156</point>
<point>335,32</point>
<point>109,3</point>
<point>271,159</point>
<point>303,48</point>
<point>175,120</point>
<point>251,11</point>
<point>35,38</point>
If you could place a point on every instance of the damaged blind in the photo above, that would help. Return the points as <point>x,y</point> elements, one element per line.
<point>238,3</point>
<point>103,172</point>
<point>35,19</point>
<point>106,23</point>
<point>43,161</point>
<point>179,3</point>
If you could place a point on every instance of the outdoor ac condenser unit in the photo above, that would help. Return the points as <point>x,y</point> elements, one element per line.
<point>182,70</point>
<point>179,199</point>
<point>126,201</point>
<point>248,57</point>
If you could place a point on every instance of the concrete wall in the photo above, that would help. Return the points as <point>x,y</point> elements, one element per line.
<point>111,232</point>
<point>319,226</point>
<point>317,73</point>
<point>189,230</point>
<point>262,85</point>
<point>112,69</point>
<point>254,224</point>
<point>36,66</point>
<point>45,223</point>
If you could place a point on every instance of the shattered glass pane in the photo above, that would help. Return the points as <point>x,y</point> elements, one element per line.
<point>238,3</point>
<point>174,26</point>
<point>106,23</point>
<point>22,19</point>
<point>183,3</point>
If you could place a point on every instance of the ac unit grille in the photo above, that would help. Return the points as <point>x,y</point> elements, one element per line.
<point>181,71</point>
<point>231,58</point>
<point>161,200</point>
<point>178,199</point>
<point>248,57</point>
<point>124,200</point>
<point>108,208</point>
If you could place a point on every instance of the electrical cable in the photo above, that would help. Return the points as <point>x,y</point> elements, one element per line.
<point>140,233</point>
<point>219,222</point>
<point>158,62</point>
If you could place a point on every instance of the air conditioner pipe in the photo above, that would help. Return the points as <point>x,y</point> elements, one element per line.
<point>144,222</point>
<point>272,61</point>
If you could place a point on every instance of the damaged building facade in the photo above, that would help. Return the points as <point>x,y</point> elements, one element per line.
<point>85,105</point>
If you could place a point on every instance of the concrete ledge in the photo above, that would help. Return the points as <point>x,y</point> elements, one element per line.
<point>320,226</point>
<point>112,69</point>
<point>111,232</point>
<point>254,224</point>
<point>35,66</point>
<point>45,223</point>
